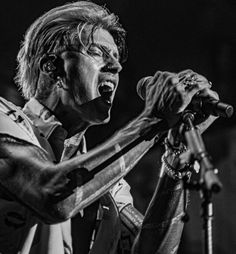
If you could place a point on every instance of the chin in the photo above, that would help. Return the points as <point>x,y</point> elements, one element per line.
<point>100,113</point>
<point>107,120</point>
<point>103,120</point>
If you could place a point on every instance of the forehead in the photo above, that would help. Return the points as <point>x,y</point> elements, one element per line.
<point>99,36</point>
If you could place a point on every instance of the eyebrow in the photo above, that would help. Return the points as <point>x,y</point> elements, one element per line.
<point>107,50</point>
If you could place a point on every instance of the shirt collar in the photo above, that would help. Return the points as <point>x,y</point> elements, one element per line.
<point>46,123</point>
<point>41,117</point>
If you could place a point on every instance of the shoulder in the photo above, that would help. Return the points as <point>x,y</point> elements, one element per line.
<point>15,123</point>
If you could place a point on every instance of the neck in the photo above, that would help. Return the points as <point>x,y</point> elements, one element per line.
<point>71,121</point>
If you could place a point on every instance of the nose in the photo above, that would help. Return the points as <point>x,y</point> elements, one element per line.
<point>112,65</point>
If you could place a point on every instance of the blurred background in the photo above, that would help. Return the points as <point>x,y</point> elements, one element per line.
<point>162,35</point>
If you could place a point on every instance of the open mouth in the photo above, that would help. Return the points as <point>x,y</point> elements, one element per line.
<point>106,89</point>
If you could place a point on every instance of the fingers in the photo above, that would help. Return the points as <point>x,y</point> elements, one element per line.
<point>189,77</point>
<point>168,94</point>
<point>208,93</point>
<point>158,85</point>
<point>160,93</point>
<point>185,74</point>
<point>187,83</point>
<point>154,79</point>
<point>160,77</point>
<point>193,84</point>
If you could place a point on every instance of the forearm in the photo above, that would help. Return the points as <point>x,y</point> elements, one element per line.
<point>107,171</point>
<point>162,226</point>
<point>29,176</point>
<point>119,141</point>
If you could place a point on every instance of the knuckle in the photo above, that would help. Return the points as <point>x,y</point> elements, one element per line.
<point>167,74</point>
<point>185,72</point>
<point>156,76</point>
<point>179,88</point>
<point>158,73</point>
<point>175,81</point>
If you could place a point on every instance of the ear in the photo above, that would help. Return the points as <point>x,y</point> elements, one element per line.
<point>52,65</point>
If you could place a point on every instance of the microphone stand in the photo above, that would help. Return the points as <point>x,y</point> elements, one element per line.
<point>209,182</point>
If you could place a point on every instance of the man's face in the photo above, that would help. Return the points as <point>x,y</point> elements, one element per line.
<point>91,77</point>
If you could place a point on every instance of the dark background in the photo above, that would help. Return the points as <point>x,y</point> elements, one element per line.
<point>162,35</point>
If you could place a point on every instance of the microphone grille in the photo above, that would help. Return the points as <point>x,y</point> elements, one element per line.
<point>141,87</point>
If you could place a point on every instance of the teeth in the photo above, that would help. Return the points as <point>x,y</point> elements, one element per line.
<point>107,85</point>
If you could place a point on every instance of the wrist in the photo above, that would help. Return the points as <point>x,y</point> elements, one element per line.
<point>175,172</point>
<point>174,149</point>
<point>171,161</point>
<point>150,126</point>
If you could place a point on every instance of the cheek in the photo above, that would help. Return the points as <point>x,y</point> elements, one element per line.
<point>81,80</point>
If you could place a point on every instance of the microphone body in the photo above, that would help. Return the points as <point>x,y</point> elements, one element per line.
<point>208,106</point>
<point>213,107</point>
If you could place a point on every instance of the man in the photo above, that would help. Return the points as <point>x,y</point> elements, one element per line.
<point>55,196</point>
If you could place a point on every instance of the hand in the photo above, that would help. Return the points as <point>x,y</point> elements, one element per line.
<point>169,94</point>
<point>202,121</point>
<point>191,79</point>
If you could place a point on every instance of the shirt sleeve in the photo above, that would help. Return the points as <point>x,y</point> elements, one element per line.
<point>121,194</point>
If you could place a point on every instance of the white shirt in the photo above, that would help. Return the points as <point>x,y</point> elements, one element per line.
<point>58,236</point>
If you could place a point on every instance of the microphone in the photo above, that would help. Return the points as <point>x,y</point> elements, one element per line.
<point>208,106</point>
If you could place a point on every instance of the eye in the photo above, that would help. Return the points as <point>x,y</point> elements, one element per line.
<point>95,51</point>
<point>110,53</point>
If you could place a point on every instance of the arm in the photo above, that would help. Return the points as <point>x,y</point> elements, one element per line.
<point>28,175</point>
<point>56,192</point>
<point>159,231</point>
<point>161,228</point>
<point>162,225</point>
